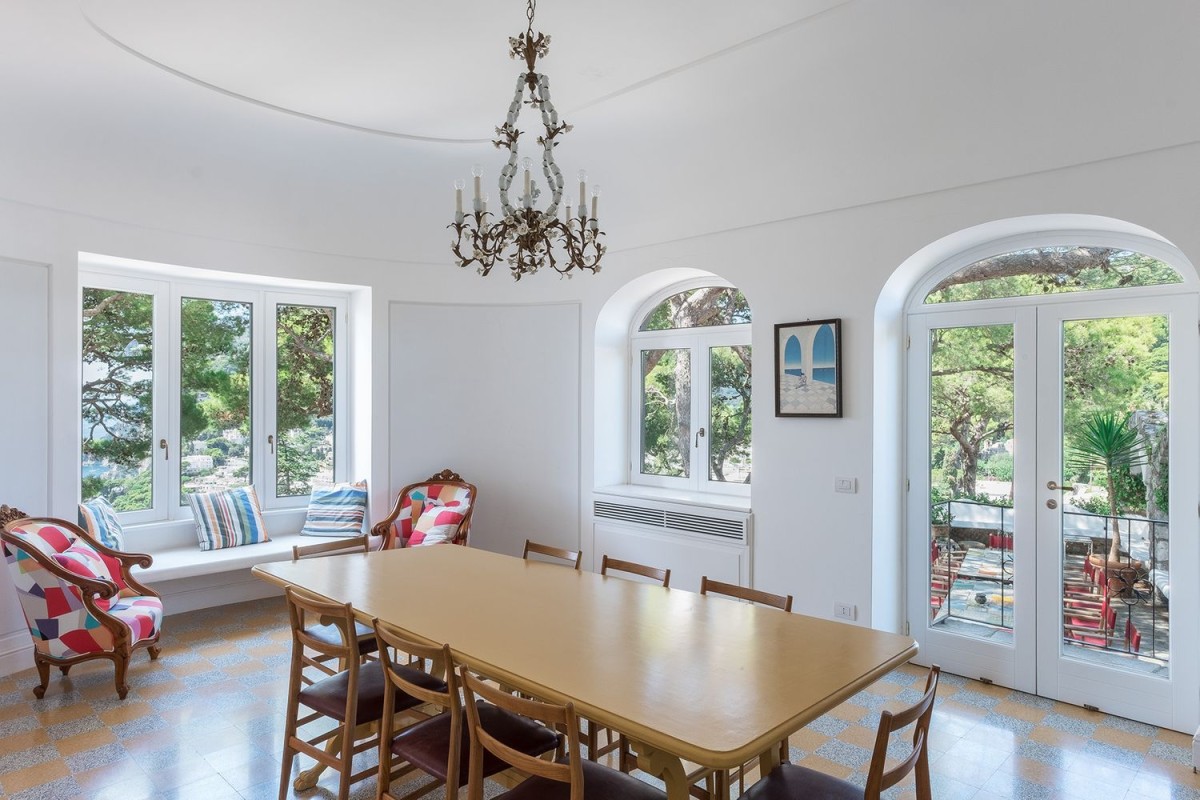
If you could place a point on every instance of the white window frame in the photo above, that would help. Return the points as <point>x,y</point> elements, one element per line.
<point>697,341</point>
<point>168,295</point>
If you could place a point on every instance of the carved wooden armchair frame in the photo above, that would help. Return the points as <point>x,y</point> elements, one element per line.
<point>123,647</point>
<point>386,527</point>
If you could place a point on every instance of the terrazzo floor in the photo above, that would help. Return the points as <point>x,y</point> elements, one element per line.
<point>205,723</point>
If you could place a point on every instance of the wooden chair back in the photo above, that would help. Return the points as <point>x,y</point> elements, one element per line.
<point>307,609</point>
<point>393,640</point>
<point>573,557</point>
<point>742,593</point>
<point>354,544</point>
<point>556,717</point>
<point>880,779</point>
<point>653,573</point>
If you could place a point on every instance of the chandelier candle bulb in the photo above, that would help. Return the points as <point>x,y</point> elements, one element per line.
<point>582,188</point>
<point>595,203</point>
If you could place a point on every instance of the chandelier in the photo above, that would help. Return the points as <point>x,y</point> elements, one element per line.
<point>531,238</point>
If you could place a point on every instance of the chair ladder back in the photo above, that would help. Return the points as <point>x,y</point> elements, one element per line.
<point>574,557</point>
<point>352,544</point>
<point>782,602</point>
<point>634,568</point>
<point>392,638</point>
<point>554,716</point>
<point>301,605</point>
<point>879,779</point>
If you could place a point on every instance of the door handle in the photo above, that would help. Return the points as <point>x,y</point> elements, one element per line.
<point>699,433</point>
<point>162,445</point>
<point>271,442</point>
<point>1053,485</point>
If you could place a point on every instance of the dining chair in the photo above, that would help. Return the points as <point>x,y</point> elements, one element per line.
<point>573,557</point>
<point>663,576</point>
<point>354,697</point>
<point>329,633</point>
<point>439,745</point>
<point>591,733</point>
<point>792,782</point>
<point>758,597</point>
<point>545,779</point>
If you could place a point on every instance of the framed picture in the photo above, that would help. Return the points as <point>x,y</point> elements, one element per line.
<point>808,368</point>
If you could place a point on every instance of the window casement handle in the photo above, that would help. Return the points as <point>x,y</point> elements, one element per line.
<point>699,433</point>
<point>271,442</point>
<point>162,445</point>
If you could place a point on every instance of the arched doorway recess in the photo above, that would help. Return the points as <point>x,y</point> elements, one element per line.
<point>1050,457</point>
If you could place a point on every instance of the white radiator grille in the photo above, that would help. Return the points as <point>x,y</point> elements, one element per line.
<point>702,524</point>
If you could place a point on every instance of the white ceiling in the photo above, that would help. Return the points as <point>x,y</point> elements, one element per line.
<point>422,69</point>
<point>695,116</point>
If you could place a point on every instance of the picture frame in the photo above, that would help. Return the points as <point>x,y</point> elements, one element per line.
<point>808,368</point>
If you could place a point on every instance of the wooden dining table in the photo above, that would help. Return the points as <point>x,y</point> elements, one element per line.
<point>684,676</point>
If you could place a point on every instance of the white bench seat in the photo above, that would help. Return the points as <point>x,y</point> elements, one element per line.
<point>188,561</point>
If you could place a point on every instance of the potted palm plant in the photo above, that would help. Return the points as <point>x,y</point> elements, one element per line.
<point>1106,444</point>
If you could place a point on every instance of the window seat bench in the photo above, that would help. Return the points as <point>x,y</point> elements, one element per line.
<point>190,578</point>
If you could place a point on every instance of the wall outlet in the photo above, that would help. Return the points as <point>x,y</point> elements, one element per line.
<point>845,611</point>
<point>847,485</point>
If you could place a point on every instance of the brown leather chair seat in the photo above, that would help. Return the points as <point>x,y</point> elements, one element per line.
<point>599,783</point>
<point>789,782</point>
<point>328,696</point>
<point>425,744</point>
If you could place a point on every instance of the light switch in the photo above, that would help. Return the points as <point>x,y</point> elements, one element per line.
<point>847,485</point>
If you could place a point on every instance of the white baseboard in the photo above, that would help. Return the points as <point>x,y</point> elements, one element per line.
<point>1196,751</point>
<point>16,652</point>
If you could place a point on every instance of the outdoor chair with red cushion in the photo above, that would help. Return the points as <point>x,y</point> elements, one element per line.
<point>436,510</point>
<point>79,598</point>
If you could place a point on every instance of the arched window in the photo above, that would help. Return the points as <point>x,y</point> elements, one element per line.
<point>690,412</point>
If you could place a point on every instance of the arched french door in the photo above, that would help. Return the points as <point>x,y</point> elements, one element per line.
<point>1052,468</point>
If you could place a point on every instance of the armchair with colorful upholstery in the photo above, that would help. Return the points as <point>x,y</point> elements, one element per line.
<point>433,511</point>
<point>79,597</point>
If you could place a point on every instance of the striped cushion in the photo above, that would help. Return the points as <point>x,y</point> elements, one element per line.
<point>99,518</point>
<point>337,511</point>
<point>228,518</point>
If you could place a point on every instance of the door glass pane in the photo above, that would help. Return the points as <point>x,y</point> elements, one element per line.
<point>304,399</point>
<point>118,398</point>
<point>1052,270</point>
<point>667,412</point>
<point>971,444</point>
<point>1116,579</point>
<point>729,415</point>
<point>214,395</point>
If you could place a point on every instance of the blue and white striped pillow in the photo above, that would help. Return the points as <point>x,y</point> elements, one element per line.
<point>99,518</point>
<point>336,511</point>
<point>227,518</point>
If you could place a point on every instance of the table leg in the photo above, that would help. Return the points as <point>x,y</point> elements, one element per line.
<point>768,760</point>
<point>665,766</point>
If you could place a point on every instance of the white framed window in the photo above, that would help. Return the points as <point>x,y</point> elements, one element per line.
<point>691,377</point>
<point>193,386</point>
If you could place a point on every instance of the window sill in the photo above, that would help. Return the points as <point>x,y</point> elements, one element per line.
<point>627,491</point>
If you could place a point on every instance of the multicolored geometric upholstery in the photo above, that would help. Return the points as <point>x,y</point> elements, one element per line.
<point>438,523</point>
<point>79,597</point>
<point>336,511</point>
<point>99,518</point>
<point>445,489</point>
<point>228,518</point>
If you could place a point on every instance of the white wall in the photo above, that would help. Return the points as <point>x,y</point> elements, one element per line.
<point>810,541</point>
<point>24,296</point>
<point>492,392</point>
